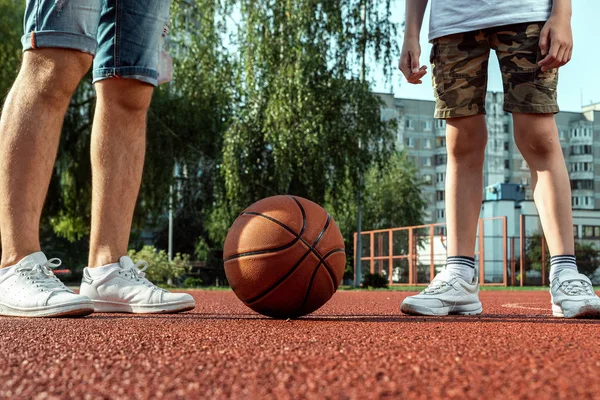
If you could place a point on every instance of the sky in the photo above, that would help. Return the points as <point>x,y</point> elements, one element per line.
<point>578,80</point>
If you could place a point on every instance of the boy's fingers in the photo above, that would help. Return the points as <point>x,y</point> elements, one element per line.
<point>544,41</point>
<point>414,62</point>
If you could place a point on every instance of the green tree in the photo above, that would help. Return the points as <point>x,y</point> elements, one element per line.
<point>303,115</point>
<point>11,30</point>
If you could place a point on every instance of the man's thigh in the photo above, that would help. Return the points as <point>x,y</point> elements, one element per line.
<point>67,24</point>
<point>526,88</point>
<point>459,69</point>
<point>129,38</point>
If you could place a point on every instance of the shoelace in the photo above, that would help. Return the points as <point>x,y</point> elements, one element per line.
<point>434,287</point>
<point>577,287</point>
<point>42,277</point>
<point>138,274</point>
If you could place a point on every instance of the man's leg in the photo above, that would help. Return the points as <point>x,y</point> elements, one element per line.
<point>118,148</point>
<point>112,281</point>
<point>29,134</point>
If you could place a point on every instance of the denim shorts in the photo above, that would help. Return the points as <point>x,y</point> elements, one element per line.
<point>124,36</point>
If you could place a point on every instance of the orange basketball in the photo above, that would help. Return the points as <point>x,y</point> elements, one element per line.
<point>284,256</point>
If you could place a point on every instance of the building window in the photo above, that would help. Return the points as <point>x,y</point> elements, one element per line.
<point>439,177</point>
<point>409,142</point>
<point>440,142</point>
<point>591,232</point>
<point>427,143</point>
<point>440,159</point>
<point>440,123</point>
<point>505,128</point>
<point>506,164</point>
<point>409,123</point>
<point>576,231</point>
<point>426,125</point>
<point>506,146</point>
<point>427,162</point>
<point>427,178</point>
<point>441,214</point>
<point>440,195</point>
<point>582,184</point>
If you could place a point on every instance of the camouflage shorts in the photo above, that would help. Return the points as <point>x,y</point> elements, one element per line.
<point>460,63</point>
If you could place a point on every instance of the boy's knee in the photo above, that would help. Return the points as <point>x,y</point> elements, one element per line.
<point>536,135</point>
<point>466,138</point>
<point>54,73</point>
<point>128,95</point>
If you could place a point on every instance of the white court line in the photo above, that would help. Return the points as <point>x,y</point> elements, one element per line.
<point>521,306</point>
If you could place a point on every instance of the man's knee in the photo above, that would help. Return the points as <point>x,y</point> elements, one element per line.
<point>128,95</point>
<point>54,73</point>
<point>466,137</point>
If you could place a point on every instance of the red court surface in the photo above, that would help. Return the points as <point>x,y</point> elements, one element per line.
<point>358,346</point>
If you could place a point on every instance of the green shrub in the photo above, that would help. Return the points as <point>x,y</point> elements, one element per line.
<point>160,269</point>
<point>376,281</point>
<point>192,282</point>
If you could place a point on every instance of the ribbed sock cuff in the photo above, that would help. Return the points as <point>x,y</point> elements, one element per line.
<point>461,260</point>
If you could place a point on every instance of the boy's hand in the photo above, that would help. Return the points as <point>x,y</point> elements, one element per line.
<point>409,62</point>
<point>556,35</point>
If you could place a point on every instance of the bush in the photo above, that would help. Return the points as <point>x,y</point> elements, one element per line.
<point>160,269</point>
<point>376,281</point>
<point>192,282</point>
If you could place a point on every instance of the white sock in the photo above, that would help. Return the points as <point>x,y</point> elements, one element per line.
<point>560,263</point>
<point>103,270</point>
<point>461,266</point>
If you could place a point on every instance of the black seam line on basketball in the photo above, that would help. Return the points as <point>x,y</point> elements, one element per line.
<point>309,250</point>
<point>312,278</point>
<point>258,252</point>
<point>322,232</point>
<point>310,283</point>
<point>327,267</point>
<point>283,278</point>
<point>303,214</point>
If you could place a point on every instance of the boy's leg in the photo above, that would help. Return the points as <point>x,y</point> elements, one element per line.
<point>536,136</point>
<point>466,139</point>
<point>460,79</point>
<point>112,281</point>
<point>58,44</point>
<point>530,94</point>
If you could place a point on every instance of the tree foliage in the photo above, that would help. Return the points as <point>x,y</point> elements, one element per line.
<point>11,29</point>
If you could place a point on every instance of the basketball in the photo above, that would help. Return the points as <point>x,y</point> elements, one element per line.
<point>284,256</point>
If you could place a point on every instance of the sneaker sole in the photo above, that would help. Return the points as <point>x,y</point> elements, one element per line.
<point>168,308</point>
<point>587,311</point>
<point>62,311</point>
<point>415,309</point>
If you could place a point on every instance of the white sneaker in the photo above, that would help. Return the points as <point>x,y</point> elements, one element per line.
<point>124,288</point>
<point>573,296</point>
<point>446,294</point>
<point>30,289</point>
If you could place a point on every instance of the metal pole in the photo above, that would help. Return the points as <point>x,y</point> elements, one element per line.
<point>171,190</point>
<point>357,268</point>
<point>358,260</point>
<point>171,223</point>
